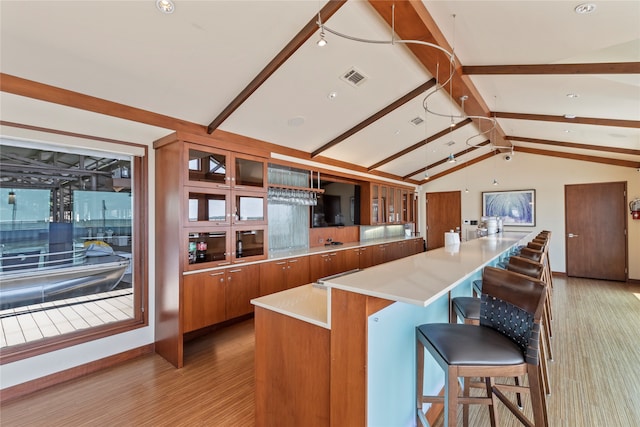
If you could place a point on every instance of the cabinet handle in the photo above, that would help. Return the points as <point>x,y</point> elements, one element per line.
<point>332,254</point>
<point>363,249</point>
<point>293,260</point>
<point>224,263</point>
<point>324,256</point>
<point>237,270</point>
<point>216,274</point>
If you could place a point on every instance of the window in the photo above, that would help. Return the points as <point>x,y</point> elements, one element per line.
<point>72,258</point>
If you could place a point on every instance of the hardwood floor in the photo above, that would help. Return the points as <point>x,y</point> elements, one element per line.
<point>595,375</point>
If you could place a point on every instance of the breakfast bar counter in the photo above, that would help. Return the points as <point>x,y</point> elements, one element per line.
<point>343,353</point>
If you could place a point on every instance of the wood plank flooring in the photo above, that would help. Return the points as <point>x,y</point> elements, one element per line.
<point>37,321</point>
<point>595,375</point>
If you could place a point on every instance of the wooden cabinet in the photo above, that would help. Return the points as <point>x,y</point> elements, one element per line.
<point>204,300</point>
<point>358,258</point>
<point>326,264</point>
<point>277,276</point>
<point>223,169</point>
<point>384,204</point>
<point>211,212</point>
<point>215,296</point>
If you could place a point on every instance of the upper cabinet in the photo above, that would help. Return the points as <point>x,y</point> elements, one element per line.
<point>224,169</point>
<point>385,204</point>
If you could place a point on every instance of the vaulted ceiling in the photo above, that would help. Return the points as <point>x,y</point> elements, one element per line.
<point>556,82</point>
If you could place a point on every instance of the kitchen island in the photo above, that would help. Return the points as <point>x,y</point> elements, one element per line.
<point>343,354</point>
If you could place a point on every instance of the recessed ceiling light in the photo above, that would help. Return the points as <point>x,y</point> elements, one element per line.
<point>585,8</point>
<point>165,6</point>
<point>569,116</point>
<point>332,95</point>
<point>572,95</point>
<point>295,122</point>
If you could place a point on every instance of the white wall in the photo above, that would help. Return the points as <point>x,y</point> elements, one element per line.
<point>548,176</point>
<point>39,366</point>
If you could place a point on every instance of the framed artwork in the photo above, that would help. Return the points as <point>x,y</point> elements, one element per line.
<point>516,208</point>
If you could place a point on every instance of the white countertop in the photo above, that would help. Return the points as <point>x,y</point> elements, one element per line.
<point>422,278</point>
<point>417,279</point>
<point>288,253</point>
<point>307,302</point>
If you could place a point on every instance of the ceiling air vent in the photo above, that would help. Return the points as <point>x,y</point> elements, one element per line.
<point>354,77</point>
<point>416,120</point>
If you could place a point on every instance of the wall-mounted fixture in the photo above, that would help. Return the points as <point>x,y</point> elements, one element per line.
<point>12,197</point>
<point>634,206</point>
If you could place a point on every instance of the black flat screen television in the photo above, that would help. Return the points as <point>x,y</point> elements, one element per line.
<point>338,206</point>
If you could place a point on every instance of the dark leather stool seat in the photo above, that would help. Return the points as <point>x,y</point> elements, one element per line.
<point>467,308</point>
<point>472,345</point>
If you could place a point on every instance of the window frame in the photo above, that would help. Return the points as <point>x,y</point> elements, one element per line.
<point>139,240</point>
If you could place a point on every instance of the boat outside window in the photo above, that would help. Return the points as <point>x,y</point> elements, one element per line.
<point>70,221</point>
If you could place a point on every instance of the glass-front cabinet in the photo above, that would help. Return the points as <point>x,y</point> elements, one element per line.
<point>225,169</point>
<point>225,207</point>
<point>224,246</point>
<point>210,247</point>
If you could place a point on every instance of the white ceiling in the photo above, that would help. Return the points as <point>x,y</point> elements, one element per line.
<point>191,64</point>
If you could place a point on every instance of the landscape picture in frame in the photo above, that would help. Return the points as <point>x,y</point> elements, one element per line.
<point>516,208</point>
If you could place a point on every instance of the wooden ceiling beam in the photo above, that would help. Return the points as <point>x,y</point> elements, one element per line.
<point>573,156</point>
<point>413,22</point>
<point>576,120</point>
<point>460,167</point>
<point>303,35</point>
<point>56,95</point>
<point>420,144</point>
<point>386,110</point>
<point>575,145</point>
<point>442,161</point>
<point>594,68</point>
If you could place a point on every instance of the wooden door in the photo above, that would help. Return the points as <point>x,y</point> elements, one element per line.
<point>443,214</point>
<point>595,225</point>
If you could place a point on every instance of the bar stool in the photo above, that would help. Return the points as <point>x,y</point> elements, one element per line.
<point>505,344</point>
<point>468,309</point>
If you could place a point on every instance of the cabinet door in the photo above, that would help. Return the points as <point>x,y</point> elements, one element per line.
<point>375,204</point>
<point>250,243</point>
<point>366,259</point>
<point>242,285</point>
<point>391,216</point>
<point>297,272</point>
<point>383,204</point>
<point>207,248</point>
<point>378,255</point>
<point>249,173</point>
<point>352,259</point>
<point>273,277</point>
<point>204,300</point>
<point>207,207</point>
<point>249,207</point>
<point>208,166</point>
<point>405,205</point>
<point>318,266</point>
<point>336,263</point>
